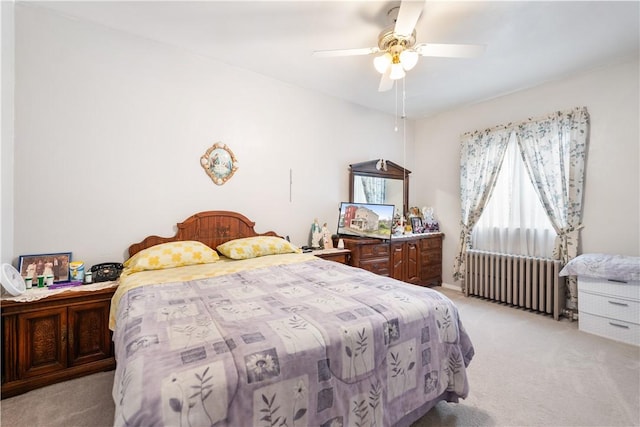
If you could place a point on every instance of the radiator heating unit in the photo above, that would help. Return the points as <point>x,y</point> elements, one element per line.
<point>521,281</point>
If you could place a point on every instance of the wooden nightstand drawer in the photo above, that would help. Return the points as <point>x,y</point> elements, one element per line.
<point>337,255</point>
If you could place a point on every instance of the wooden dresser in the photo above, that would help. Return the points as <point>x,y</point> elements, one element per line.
<point>413,259</point>
<point>54,339</point>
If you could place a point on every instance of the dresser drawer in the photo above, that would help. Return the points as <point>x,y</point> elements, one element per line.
<point>415,259</point>
<point>431,243</point>
<point>627,290</point>
<point>431,256</point>
<point>617,330</point>
<point>378,266</point>
<point>609,306</point>
<point>374,251</point>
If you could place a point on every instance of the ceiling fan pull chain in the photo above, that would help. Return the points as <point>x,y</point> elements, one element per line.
<point>395,128</point>
<point>404,146</point>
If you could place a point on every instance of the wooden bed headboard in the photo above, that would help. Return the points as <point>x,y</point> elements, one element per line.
<point>211,228</point>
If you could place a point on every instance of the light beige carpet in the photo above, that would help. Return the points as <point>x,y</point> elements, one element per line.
<point>529,370</point>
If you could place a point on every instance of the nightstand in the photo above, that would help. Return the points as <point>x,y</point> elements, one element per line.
<point>56,338</point>
<point>609,308</point>
<point>338,255</point>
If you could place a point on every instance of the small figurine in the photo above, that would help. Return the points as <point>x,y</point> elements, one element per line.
<point>327,243</point>
<point>316,234</point>
<point>430,222</point>
<point>414,211</point>
<point>398,225</point>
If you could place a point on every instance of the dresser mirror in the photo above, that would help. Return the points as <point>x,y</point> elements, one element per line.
<point>379,181</point>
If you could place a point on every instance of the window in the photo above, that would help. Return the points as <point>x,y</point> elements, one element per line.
<point>514,220</point>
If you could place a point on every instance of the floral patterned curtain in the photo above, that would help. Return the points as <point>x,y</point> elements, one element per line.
<point>480,160</point>
<point>374,189</point>
<point>554,150</point>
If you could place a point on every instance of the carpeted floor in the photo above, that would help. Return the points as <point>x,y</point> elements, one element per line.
<point>529,370</point>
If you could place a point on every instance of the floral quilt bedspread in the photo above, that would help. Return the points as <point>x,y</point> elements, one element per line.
<point>315,343</point>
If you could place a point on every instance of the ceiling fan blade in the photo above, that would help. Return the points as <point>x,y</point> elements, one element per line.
<point>385,81</point>
<point>346,52</point>
<point>450,50</point>
<point>408,15</point>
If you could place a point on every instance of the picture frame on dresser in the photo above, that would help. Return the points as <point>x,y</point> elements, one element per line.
<point>416,224</point>
<point>56,264</point>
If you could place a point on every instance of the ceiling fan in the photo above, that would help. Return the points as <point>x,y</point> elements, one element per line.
<point>398,48</point>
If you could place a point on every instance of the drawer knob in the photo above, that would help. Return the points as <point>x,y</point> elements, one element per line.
<point>621,304</point>
<point>617,325</point>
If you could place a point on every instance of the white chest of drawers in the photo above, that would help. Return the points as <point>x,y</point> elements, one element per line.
<point>610,309</point>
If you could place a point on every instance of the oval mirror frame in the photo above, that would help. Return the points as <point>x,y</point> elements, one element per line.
<point>376,168</point>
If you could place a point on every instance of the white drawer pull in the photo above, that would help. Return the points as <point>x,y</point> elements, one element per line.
<point>619,303</point>
<point>618,325</point>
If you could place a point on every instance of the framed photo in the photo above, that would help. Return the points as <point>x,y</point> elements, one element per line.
<point>56,264</point>
<point>219,163</point>
<point>416,224</point>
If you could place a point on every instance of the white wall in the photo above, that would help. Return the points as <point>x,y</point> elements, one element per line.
<point>110,129</point>
<point>612,190</point>
<point>6,124</point>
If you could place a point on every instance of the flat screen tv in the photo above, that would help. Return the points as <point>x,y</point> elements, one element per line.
<point>366,220</point>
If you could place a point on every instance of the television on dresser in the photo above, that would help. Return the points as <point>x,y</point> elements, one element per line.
<point>366,220</point>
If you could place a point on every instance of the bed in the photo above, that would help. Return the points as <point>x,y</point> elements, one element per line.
<point>256,333</point>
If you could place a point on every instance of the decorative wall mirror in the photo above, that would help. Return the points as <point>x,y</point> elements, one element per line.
<point>379,181</point>
<point>219,163</point>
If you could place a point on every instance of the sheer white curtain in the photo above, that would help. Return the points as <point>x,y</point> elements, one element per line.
<point>514,220</point>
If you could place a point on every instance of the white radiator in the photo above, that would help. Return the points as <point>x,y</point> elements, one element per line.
<point>525,282</point>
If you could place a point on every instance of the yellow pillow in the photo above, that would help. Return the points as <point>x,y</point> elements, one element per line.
<point>172,254</point>
<point>252,247</point>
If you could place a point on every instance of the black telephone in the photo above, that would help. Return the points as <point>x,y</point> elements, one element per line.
<point>106,271</point>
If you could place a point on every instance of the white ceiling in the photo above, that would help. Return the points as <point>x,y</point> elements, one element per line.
<point>527,42</point>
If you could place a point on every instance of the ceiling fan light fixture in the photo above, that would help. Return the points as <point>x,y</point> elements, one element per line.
<point>397,51</point>
<point>397,72</point>
<point>409,59</point>
<point>382,62</point>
